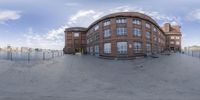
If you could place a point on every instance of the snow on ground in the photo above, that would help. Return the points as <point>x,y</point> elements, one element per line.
<point>75,77</point>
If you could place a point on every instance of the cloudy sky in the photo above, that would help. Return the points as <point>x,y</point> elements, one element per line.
<point>40,23</point>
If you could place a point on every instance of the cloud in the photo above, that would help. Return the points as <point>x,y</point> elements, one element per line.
<point>194,15</point>
<point>84,17</point>
<point>71,4</point>
<point>7,15</point>
<point>54,39</point>
<point>154,14</point>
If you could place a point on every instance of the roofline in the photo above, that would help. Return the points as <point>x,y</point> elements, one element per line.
<point>119,14</point>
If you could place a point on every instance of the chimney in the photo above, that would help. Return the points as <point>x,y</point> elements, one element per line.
<point>166,27</point>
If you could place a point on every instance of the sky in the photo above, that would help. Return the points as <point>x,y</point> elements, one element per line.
<point>41,23</point>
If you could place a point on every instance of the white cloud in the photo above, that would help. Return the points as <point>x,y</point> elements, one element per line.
<point>6,15</point>
<point>54,39</point>
<point>84,18</point>
<point>71,4</point>
<point>154,14</point>
<point>194,15</point>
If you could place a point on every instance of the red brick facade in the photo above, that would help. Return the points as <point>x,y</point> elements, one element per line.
<point>125,34</point>
<point>173,35</point>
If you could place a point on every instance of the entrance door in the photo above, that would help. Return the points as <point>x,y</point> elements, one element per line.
<point>172,49</point>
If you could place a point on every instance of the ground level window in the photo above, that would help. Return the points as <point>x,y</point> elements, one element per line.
<point>107,48</point>
<point>88,49</point>
<point>91,49</point>
<point>137,47</point>
<point>122,47</point>
<point>148,47</point>
<point>96,48</point>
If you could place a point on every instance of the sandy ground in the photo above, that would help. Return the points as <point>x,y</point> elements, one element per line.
<point>174,77</point>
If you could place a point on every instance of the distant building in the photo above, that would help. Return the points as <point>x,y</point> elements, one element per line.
<point>124,34</point>
<point>194,48</point>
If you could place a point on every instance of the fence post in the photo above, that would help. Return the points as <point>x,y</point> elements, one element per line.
<point>43,55</point>
<point>199,53</point>
<point>28,56</point>
<point>192,53</point>
<point>52,54</point>
<point>11,56</point>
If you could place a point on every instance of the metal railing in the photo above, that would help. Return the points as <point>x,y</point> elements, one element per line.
<point>193,53</point>
<point>30,55</point>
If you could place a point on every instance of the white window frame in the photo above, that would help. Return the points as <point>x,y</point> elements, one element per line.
<point>107,33</point>
<point>96,48</point>
<point>106,23</point>
<point>137,47</point>
<point>147,25</point>
<point>107,48</point>
<point>121,31</point>
<point>137,32</point>
<point>122,47</point>
<point>171,42</point>
<point>96,27</point>
<point>76,34</point>
<point>121,20</point>
<point>148,47</point>
<point>148,35</point>
<point>137,21</point>
<point>177,43</point>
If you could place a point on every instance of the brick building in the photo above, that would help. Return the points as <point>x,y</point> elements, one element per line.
<point>173,35</point>
<point>124,34</point>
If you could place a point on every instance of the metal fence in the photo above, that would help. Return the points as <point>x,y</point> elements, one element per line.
<point>30,56</point>
<point>193,53</point>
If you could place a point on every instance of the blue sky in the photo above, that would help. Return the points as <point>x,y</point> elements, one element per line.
<point>40,23</point>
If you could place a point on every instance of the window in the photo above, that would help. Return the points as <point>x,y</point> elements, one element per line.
<point>136,21</point>
<point>121,31</point>
<point>177,37</point>
<point>148,35</point>
<point>137,47</point>
<point>107,47</point>
<point>172,37</point>
<point>107,33</point>
<point>172,42</point>
<point>154,29</point>
<point>106,23</point>
<point>121,20</point>
<point>96,27</point>
<point>88,41</point>
<point>148,25</point>
<point>122,47</point>
<point>159,40</point>
<point>76,34</point>
<point>155,37</point>
<point>91,49</point>
<point>88,49</point>
<point>96,48</point>
<point>177,42</point>
<point>148,47</point>
<point>137,32</point>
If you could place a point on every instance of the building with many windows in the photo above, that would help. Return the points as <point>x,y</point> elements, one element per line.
<point>119,35</point>
<point>173,35</point>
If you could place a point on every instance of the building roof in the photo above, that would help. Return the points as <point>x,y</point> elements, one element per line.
<point>127,14</point>
<point>76,29</point>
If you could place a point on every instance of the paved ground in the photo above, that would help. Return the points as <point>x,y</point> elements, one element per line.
<point>174,77</point>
